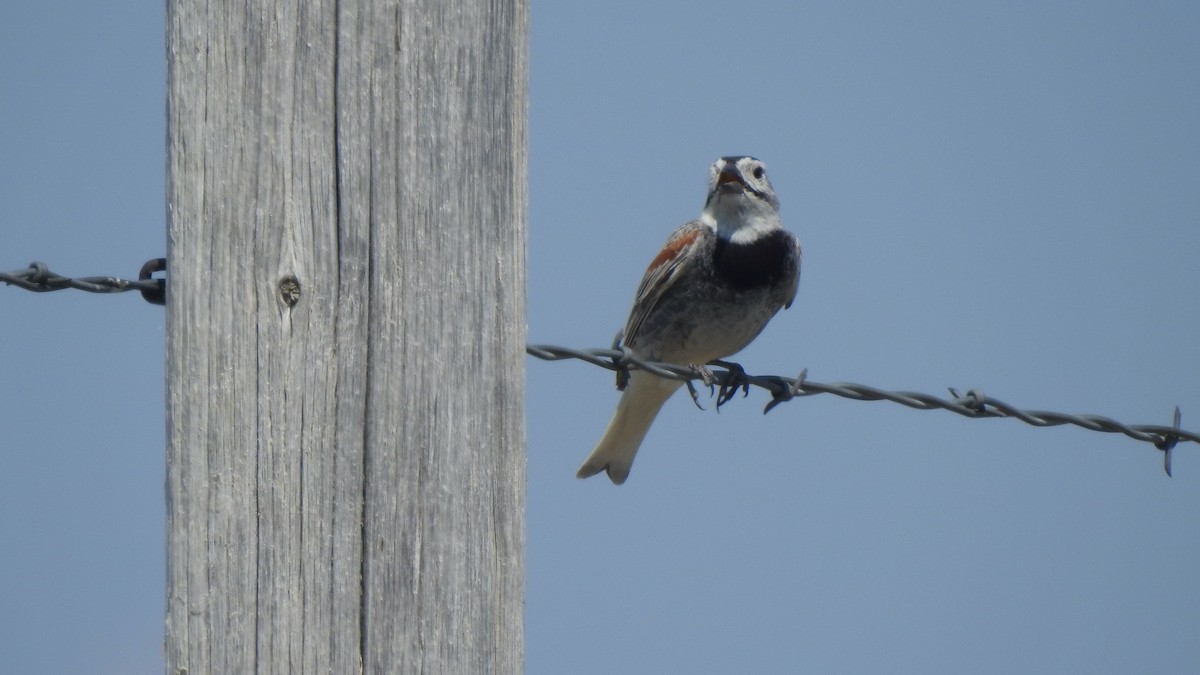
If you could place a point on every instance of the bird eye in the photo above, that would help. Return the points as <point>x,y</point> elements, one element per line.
<point>759,172</point>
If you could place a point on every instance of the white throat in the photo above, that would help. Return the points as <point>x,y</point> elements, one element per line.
<point>740,219</point>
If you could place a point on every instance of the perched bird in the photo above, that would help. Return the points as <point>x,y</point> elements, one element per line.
<point>707,294</point>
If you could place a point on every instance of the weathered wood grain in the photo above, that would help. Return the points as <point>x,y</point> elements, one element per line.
<point>346,330</point>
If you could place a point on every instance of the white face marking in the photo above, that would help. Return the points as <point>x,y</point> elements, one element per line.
<point>741,205</point>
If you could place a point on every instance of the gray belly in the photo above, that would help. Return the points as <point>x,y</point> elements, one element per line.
<point>702,322</point>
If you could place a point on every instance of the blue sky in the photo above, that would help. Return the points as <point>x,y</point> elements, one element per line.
<point>1000,196</point>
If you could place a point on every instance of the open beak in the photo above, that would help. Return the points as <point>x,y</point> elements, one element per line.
<point>730,175</point>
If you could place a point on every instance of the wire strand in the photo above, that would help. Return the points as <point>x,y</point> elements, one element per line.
<point>973,404</point>
<point>39,279</point>
<point>730,377</point>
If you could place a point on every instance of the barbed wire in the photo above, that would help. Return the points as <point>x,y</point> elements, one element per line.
<point>39,279</point>
<point>730,378</point>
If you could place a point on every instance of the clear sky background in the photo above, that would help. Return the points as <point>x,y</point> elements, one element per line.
<point>1003,196</point>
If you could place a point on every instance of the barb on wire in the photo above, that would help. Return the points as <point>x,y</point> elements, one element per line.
<point>39,279</point>
<point>974,403</point>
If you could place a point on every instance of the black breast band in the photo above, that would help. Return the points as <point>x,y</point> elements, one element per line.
<point>754,264</point>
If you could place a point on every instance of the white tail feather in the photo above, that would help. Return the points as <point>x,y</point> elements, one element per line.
<point>639,405</point>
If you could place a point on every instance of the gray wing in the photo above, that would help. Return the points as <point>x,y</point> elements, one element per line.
<point>664,270</point>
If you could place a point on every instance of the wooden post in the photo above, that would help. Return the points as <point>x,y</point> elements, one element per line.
<point>346,330</point>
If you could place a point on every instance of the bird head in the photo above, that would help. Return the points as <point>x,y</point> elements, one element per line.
<point>741,202</point>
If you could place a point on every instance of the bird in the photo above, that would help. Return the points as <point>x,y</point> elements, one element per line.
<point>706,295</point>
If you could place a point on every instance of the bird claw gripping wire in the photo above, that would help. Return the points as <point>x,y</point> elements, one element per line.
<point>694,394</point>
<point>621,363</point>
<point>1168,443</point>
<point>735,378</point>
<point>706,376</point>
<point>787,393</point>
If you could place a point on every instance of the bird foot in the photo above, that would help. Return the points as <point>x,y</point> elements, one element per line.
<point>735,378</point>
<point>706,376</point>
<point>622,362</point>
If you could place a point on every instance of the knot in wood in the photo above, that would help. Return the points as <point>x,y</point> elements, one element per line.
<point>289,290</point>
